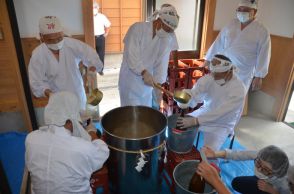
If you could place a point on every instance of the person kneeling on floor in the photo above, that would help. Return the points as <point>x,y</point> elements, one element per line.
<point>61,156</point>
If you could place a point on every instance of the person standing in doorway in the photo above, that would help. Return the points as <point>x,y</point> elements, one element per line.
<point>247,43</point>
<point>101,30</point>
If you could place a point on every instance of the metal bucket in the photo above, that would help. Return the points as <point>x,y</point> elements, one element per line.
<point>182,175</point>
<point>180,141</point>
<point>133,133</point>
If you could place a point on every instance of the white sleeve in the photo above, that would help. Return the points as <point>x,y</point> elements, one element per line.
<point>198,91</point>
<point>263,58</point>
<point>217,46</point>
<point>132,49</point>
<point>224,110</point>
<point>87,54</point>
<point>98,155</point>
<point>241,154</point>
<point>37,75</point>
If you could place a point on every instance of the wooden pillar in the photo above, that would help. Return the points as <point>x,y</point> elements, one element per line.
<point>88,22</point>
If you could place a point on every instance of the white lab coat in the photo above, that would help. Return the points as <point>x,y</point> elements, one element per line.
<point>60,163</point>
<point>221,110</point>
<point>45,72</point>
<point>142,52</point>
<point>249,49</point>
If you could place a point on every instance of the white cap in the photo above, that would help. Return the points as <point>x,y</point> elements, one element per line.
<point>96,5</point>
<point>168,15</point>
<point>249,3</point>
<point>63,106</point>
<point>224,66</point>
<point>49,25</point>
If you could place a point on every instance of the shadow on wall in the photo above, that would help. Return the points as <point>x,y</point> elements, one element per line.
<point>12,121</point>
<point>262,103</point>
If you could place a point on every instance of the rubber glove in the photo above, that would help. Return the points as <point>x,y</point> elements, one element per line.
<point>147,78</point>
<point>185,122</point>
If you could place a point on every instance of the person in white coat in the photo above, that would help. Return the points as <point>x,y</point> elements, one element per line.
<point>247,43</point>
<point>101,31</point>
<point>145,58</point>
<point>223,95</point>
<point>54,65</point>
<point>57,159</point>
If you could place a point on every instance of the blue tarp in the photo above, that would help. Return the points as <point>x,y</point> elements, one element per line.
<point>12,151</point>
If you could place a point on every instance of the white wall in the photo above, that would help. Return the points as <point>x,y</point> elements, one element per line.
<point>276,15</point>
<point>185,30</point>
<point>29,12</point>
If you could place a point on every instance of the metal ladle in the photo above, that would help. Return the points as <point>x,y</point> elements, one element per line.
<point>95,97</point>
<point>179,95</point>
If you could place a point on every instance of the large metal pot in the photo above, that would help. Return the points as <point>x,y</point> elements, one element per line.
<point>183,173</point>
<point>135,133</point>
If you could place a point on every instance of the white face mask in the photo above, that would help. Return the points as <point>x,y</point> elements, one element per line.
<point>220,82</point>
<point>259,174</point>
<point>95,11</point>
<point>161,33</point>
<point>56,46</point>
<point>243,17</point>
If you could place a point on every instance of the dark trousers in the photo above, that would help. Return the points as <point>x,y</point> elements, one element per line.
<point>246,185</point>
<point>100,47</point>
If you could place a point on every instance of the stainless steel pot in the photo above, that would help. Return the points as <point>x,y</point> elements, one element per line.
<point>134,133</point>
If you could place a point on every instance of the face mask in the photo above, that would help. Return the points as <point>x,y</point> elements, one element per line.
<point>259,174</point>
<point>161,33</point>
<point>243,17</point>
<point>56,46</point>
<point>95,11</point>
<point>220,82</point>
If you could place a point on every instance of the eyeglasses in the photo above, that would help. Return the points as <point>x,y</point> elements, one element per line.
<point>263,169</point>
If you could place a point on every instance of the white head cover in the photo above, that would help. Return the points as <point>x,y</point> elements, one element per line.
<point>168,15</point>
<point>96,5</point>
<point>63,106</point>
<point>248,3</point>
<point>224,66</point>
<point>49,25</point>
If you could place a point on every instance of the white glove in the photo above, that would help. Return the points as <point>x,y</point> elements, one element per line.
<point>147,78</point>
<point>185,122</point>
<point>182,105</point>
